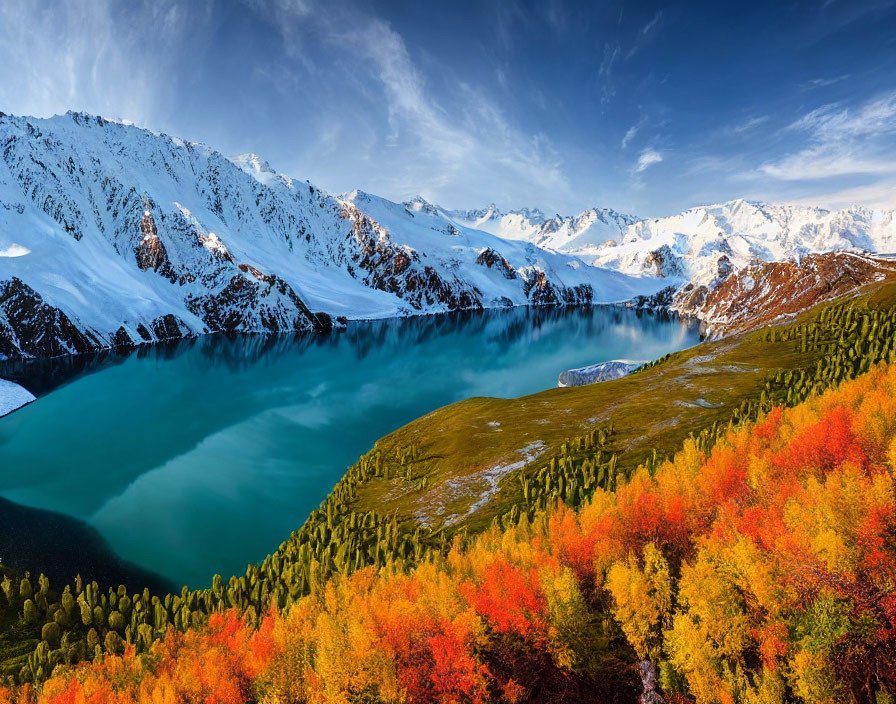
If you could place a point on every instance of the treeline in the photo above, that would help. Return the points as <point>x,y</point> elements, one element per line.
<point>82,621</point>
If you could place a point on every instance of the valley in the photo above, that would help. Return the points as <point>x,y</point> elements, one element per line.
<point>447,395</point>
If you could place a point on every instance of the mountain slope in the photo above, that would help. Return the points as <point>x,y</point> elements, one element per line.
<point>114,235</point>
<point>774,292</point>
<point>709,252</point>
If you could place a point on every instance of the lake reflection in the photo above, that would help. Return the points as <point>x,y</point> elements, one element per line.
<point>195,458</point>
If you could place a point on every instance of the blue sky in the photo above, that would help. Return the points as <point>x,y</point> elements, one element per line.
<point>645,107</point>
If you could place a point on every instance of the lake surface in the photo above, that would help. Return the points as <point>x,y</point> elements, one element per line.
<point>196,458</point>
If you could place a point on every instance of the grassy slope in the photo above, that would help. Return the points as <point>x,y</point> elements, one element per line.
<point>462,444</point>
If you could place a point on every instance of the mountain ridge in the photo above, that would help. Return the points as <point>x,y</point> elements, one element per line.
<point>116,235</point>
<point>787,229</point>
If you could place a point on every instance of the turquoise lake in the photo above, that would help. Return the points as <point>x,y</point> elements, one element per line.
<point>196,458</point>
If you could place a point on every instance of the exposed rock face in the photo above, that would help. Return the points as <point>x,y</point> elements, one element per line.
<point>777,291</point>
<point>723,267</point>
<point>604,371</point>
<point>660,300</point>
<point>165,327</point>
<point>649,683</point>
<point>689,299</point>
<point>30,326</point>
<point>150,251</point>
<point>399,270</point>
<point>537,288</point>
<point>243,303</point>
<point>663,262</point>
<point>580,295</point>
<point>490,258</point>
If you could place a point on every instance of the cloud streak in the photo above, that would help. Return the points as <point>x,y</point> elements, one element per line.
<point>101,57</point>
<point>647,158</point>
<point>454,147</point>
<point>842,141</point>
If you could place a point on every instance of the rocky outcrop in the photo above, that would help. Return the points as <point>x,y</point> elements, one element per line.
<point>491,259</point>
<point>248,300</point>
<point>775,292</point>
<point>660,300</point>
<point>400,271</point>
<point>663,262</point>
<point>150,251</point>
<point>167,327</point>
<point>30,327</point>
<point>604,371</point>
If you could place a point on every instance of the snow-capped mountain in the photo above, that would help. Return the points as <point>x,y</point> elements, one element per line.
<point>115,235</point>
<point>569,234</point>
<point>705,244</point>
<point>701,245</point>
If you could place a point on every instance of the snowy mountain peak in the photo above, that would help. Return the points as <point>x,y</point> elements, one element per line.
<point>260,170</point>
<point>420,205</point>
<point>707,242</point>
<point>561,233</point>
<point>533,215</point>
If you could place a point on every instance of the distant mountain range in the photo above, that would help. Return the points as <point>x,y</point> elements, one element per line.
<point>701,244</point>
<point>561,233</point>
<point>115,235</point>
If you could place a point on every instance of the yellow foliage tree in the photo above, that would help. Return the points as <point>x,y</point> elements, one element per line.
<point>642,598</point>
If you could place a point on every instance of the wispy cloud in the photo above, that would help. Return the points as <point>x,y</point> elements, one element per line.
<point>647,158</point>
<point>835,122</point>
<point>878,195</point>
<point>104,57</point>
<point>823,82</point>
<point>629,135</point>
<point>825,162</point>
<point>446,146</point>
<point>647,28</point>
<point>606,69</point>
<point>842,141</point>
<point>645,34</point>
<point>747,125</point>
